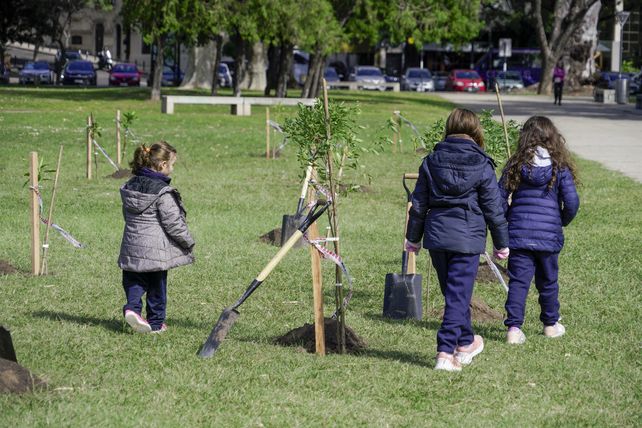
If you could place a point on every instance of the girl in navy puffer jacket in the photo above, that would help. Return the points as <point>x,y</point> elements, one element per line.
<point>455,198</point>
<point>538,190</point>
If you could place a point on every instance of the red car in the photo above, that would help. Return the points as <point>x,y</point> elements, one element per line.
<point>465,81</point>
<point>125,75</point>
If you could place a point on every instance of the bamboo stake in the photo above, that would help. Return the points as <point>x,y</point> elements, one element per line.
<point>317,283</point>
<point>118,153</point>
<point>501,110</point>
<point>334,223</point>
<point>35,214</point>
<point>45,245</point>
<point>89,148</point>
<point>267,133</point>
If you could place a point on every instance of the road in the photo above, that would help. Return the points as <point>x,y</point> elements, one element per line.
<point>610,134</point>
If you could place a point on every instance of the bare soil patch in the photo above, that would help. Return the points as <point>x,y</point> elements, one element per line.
<point>121,173</point>
<point>16,379</point>
<point>273,237</point>
<point>6,268</point>
<point>479,311</point>
<point>304,337</point>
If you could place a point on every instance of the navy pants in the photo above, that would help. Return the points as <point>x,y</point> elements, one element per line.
<point>456,273</point>
<point>154,285</point>
<point>522,265</point>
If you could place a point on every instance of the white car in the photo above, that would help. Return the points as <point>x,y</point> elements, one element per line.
<point>417,79</point>
<point>368,77</point>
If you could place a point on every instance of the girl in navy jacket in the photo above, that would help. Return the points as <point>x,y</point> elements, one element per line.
<point>538,190</point>
<point>455,198</point>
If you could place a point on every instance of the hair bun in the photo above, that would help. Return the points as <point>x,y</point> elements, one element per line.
<point>146,149</point>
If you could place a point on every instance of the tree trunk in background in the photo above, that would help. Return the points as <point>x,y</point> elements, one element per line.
<point>255,77</point>
<point>285,64</point>
<point>198,73</point>
<point>317,61</point>
<point>317,83</point>
<point>273,69</point>
<point>218,47</point>
<point>158,70</point>
<point>582,50</point>
<point>240,60</point>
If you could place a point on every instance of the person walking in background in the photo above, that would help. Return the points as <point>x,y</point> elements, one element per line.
<point>539,181</point>
<point>455,198</point>
<point>156,237</point>
<point>558,83</point>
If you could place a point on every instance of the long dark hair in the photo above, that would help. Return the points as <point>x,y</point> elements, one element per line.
<point>462,121</point>
<point>538,131</point>
<point>151,157</point>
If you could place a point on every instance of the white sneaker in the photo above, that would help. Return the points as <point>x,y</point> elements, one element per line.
<point>555,330</point>
<point>447,362</point>
<point>465,354</point>
<point>515,336</point>
<point>137,322</point>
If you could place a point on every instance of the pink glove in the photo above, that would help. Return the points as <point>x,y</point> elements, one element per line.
<point>501,254</point>
<point>412,247</point>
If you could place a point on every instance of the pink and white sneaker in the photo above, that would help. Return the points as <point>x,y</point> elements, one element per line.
<point>465,354</point>
<point>162,329</point>
<point>447,363</point>
<point>136,322</point>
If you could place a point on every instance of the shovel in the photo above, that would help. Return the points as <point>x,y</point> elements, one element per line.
<point>291,222</point>
<point>230,314</point>
<point>402,293</point>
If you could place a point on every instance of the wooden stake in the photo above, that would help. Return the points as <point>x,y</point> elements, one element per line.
<point>317,283</point>
<point>118,153</point>
<point>45,246</point>
<point>89,148</point>
<point>396,136</point>
<point>267,133</point>
<point>35,214</point>
<point>501,111</point>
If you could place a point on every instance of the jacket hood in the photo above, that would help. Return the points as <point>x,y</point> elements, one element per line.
<point>537,175</point>
<point>456,165</point>
<point>137,202</point>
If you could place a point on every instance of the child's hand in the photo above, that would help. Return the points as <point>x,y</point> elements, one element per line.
<point>412,247</point>
<point>501,254</point>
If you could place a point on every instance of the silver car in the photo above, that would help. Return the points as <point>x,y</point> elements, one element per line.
<point>417,79</point>
<point>368,77</point>
<point>508,80</point>
<point>36,72</point>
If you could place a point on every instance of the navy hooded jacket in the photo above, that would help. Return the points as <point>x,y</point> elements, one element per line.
<point>536,214</point>
<point>455,197</point>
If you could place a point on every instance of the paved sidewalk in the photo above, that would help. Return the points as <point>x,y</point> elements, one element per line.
<point>610,134</point>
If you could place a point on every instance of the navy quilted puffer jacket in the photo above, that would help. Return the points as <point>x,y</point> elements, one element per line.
<point>455,197</point>
<point>536,214</point>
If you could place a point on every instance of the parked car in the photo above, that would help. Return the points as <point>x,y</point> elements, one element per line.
<point>169,75</point>
<point>124,75</point>
<point>440,78</point>
<point>79,72</point>
<point>341,68</point>
<point>507,81</point>
<point>330,75</point>
<point>608,79</point>
<point>417,79</point>
<point>369,77</point>
<point>224,75</point>
<point>4,74</point>
<point>36,72</point>
<point>464,80</point>
<point>300,65</point>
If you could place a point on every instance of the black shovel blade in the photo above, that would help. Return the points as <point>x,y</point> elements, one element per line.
<point>220,330</point>
<point>6,345</point>
<point>402,296</point>
<point>289,225</point>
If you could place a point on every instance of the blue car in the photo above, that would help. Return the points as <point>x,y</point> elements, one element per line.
<point>168,78</point>
<point>79,72</point>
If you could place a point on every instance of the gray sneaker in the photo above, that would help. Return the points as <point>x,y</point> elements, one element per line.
<point>515,336</point>
<point>555,330</point>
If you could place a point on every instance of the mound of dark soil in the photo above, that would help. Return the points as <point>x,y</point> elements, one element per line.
<point>304,336</point>
<point>485,274</point>
<point>16,379</point>
<point>121,173</point>
<point>480,312</point>
<point>273,237</point>
<point>6,268</point>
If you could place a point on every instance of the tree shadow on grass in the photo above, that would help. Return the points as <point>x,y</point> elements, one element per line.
<point>114,324</point>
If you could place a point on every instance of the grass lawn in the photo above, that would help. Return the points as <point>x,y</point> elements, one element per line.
<point>67,327</point>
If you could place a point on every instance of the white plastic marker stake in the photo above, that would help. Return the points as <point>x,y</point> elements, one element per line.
<point>45,245</point>
<point>492,266</point>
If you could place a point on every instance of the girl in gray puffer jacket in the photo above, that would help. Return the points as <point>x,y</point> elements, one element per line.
<point>155,238</point>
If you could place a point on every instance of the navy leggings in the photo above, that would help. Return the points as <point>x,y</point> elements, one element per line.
<point>522,265</point>
<point>154,285</point>
<point>456,273</point>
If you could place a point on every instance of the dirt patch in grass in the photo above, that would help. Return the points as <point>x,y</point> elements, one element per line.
<point>6,268</point>
<point>304,336</point>
<point>479,310</point>
<point>16,379</point>
<point>121,173</point>
<point>485,273</point>
<point>273,237</point>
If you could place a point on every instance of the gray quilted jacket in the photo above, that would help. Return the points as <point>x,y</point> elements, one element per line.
<point>156,237</point>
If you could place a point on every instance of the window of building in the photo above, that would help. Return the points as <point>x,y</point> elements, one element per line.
<point>76,40</point>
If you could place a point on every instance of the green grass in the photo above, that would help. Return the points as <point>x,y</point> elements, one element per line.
<point>67,327</point>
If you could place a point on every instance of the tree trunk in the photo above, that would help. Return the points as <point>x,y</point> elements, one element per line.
<point>198,73</point>
<point>317,82</point>
<point>218,41</point>
<point>285,64</point>
<point>158,71</point>
<point>255,77</point>
<point>273,69</point>
<point>580,58</point>
<point>240,60</point>
<point>312,79</point>
<point>546,80</point>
